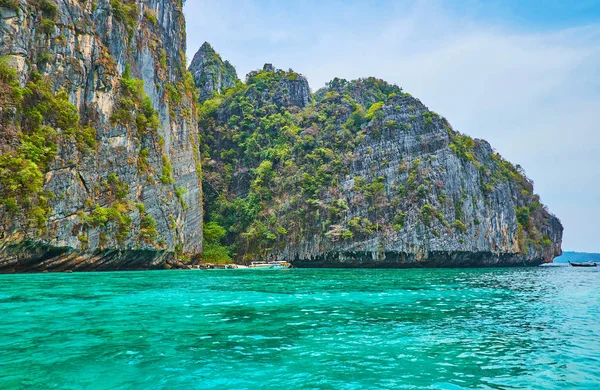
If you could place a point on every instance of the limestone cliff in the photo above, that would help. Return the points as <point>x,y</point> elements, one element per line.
<point>99,166</point>
<point>360,174</point>
<point>211,74</point>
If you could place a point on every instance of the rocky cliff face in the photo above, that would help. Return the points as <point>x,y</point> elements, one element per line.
<point>99,166</point>
<point>275,86</point>
<point>363,175</point>
<point>211,74</point>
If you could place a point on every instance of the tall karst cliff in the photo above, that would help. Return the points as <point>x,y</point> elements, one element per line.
<point>211,74</point>
<point>99,167</point>
<point>359,174</point>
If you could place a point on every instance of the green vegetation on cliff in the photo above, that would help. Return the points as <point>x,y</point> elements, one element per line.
<point>264,149</point>
<point>98,128</point>
<point>531,214</point>
<point>211,74</point>
<point>42,119</point>
<point>284,169</point>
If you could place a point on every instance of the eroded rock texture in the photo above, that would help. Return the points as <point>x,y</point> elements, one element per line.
<point>99,137</point>
<point>361,175</point>
<point>211,74</point>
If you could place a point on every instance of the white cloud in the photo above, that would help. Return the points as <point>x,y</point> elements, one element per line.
<point>534,96</point>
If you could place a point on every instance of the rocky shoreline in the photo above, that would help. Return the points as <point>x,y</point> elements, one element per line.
<point>31,257</point>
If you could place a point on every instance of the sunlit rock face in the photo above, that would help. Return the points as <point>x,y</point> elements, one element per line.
<point>361,174</point>
<point>211,74</point>
<point>125,172</point>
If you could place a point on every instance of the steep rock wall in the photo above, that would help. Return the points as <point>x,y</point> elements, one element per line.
<point>212,75</point>
<point>419,194</point>
<point>120,170</point>
<point>364,175</point>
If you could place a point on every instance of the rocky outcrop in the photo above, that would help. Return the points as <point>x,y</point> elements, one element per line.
<point>364,176</point>
<point>211,74</point>
<point>275,86</point>
<point>27,257</point>
<point>419,194</point>
<point>99,151</point>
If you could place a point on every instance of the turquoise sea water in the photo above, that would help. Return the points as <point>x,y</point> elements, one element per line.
<point>327,329</point>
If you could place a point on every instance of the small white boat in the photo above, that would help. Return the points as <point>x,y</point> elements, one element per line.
<point>269,265</point>
<point>236,266</point>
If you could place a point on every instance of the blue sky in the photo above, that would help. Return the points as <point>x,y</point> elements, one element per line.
<point>523,75</point>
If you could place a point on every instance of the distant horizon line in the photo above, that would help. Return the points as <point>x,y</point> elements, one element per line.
<point>587,253</point>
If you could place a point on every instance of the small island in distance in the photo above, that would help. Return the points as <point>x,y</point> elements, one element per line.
<point>577,257</point>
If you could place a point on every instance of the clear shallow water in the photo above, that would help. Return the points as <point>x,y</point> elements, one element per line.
<point>327,329</point>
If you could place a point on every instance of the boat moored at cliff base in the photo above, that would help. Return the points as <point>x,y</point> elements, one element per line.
<point>269,265</point>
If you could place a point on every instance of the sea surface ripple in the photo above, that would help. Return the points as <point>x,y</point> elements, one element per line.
<point>534,328</point>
